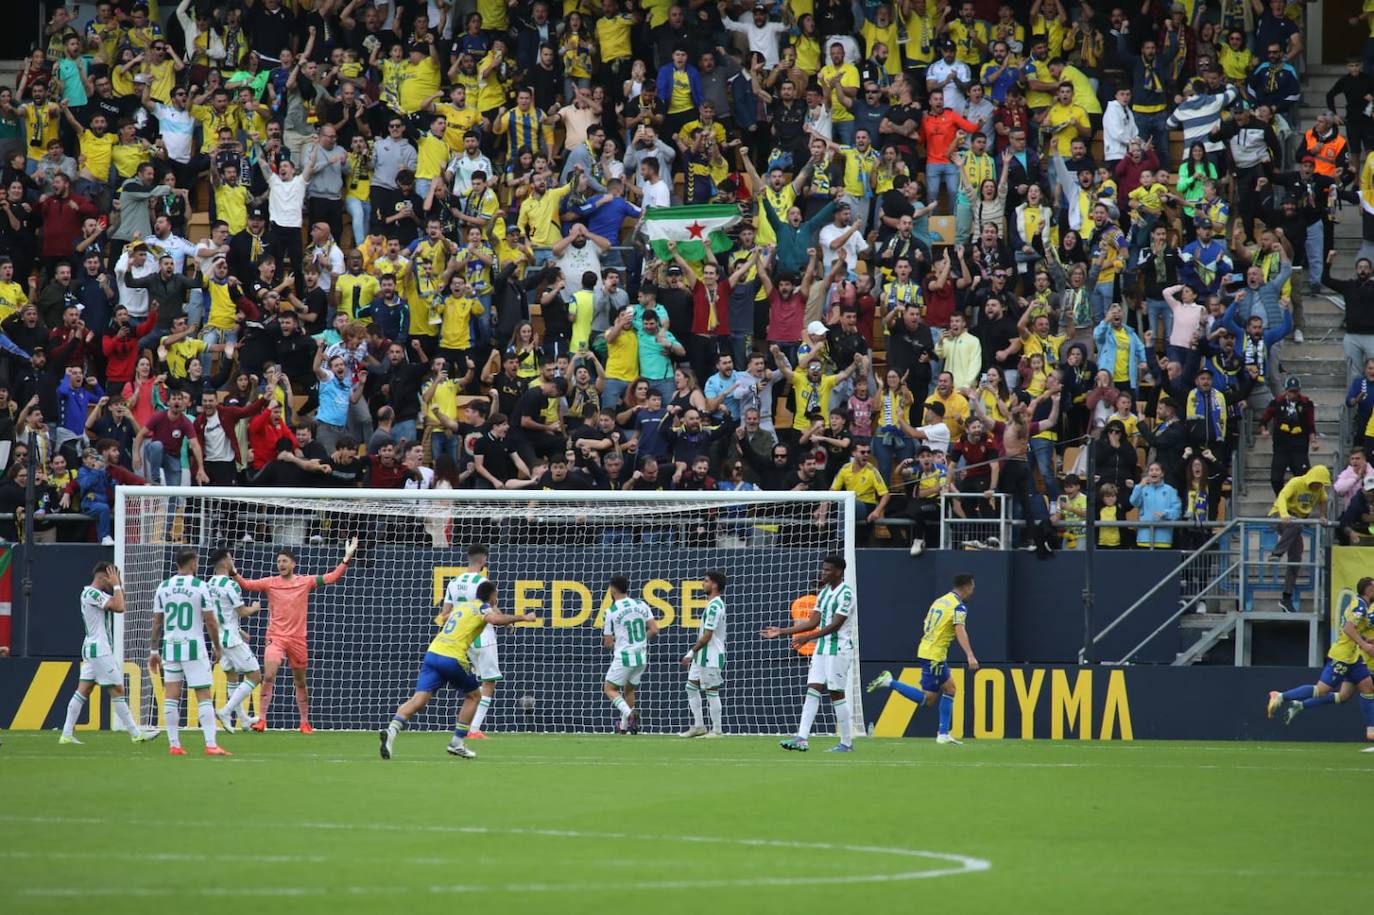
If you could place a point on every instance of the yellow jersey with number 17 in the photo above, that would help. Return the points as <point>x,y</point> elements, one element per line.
<point>946,613</point>
<point>457,633</point>
<point>1356,612</point>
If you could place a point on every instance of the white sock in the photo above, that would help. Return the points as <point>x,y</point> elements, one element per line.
<point>483,705</point>
<point>694,703</point>
<point>171,710</point>
<point>207,721</point>
<point>74,707</point>
<point>809,709</point>
<point>624,708</point>
<point>238,697</point>
<point>842,719</point>
<point>713,702</point>
<point>119,705</point>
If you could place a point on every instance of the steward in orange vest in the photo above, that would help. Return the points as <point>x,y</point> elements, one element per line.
<point>1327,147</point>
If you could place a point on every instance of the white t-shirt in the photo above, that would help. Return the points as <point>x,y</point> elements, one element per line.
<point>953,95</point>
<point>285,200</point>
<point>331,263</point>
<point>136,300</point>
<point>577,261</point>
<point>178,130</point>
<point>936,437</point>
<point>217,447</point>
<point>657,194</point>
<point>852,248</point>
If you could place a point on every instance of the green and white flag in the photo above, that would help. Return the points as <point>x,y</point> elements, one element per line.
<point>692,227</point>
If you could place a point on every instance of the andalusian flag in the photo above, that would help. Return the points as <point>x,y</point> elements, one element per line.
<point>692,227</point>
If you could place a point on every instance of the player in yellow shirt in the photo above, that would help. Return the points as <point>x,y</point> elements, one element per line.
<point>1346,667</point>
<point>945,622</point>
<point>446,664</point>
<point>1065,121</point>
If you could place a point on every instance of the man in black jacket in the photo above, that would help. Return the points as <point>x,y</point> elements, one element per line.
<point>1359,314</point>
<point>247,247</point>
<point>1294,423</point>
<point>1169,438</point>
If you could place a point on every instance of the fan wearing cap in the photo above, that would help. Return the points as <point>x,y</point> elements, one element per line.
<point>1292,418</point>
<point>1312,191</point>
<point>763,35</point>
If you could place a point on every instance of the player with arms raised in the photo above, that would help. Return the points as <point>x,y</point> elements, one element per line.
<point>485,662</point>
<point>1346,669</point>
<point>183,612</point>
<point>447,663</point>
<point>240,666</point>
<point>288,601</point>
<point>705,662</point>
<point>630,624</point>
<point>100,601</point>
<point>831,627</point>
<point>944,622</point>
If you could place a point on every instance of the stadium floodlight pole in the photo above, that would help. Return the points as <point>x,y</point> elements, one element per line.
<point>1089,555</point>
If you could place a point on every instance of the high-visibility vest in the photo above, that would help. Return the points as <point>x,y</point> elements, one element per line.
<point>802,608</point>
<point>1325,153</point>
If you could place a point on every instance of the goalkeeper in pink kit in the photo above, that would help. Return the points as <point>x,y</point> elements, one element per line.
<point>288,596</point>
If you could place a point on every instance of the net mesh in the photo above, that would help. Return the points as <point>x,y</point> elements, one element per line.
<point>549,556</point>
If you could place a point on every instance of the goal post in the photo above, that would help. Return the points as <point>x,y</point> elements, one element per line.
<point>551,553</point>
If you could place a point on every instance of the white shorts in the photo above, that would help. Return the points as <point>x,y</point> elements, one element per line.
<point>708,677</point>
<point>619,674</point>
<point>486,663</point>
<point>239,659</point>
<point>831,670</point>
<point>102,671</point>
<point>196,673</point>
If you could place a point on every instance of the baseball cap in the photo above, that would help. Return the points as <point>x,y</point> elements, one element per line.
<point>1292,384</point>
<point>1202,222</point>
<point>816,329</point>
<point>1369,484</point>
<point>1202,370</point>
<point>257,213</point>
<point>760,8</point>
<point>675,270</point>
<point>936,407</point>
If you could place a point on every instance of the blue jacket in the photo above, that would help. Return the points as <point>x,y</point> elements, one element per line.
<point>1264,301</point>
<point>1106,350</point>
<point>1204,267</point>
<point>664,83</point>
<point>72,406</point>
<point>1286,88</point>
<point>1151,499</point>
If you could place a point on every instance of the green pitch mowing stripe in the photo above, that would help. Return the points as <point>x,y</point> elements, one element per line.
<point>607,825</point>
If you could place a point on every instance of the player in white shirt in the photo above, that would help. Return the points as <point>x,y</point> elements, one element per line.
<point>240,665</point>
<point>100,601</point>
<point>629,626</point>
<point>705,663</point>
<point>831,627</point>
<point>483,657</point>
<point>183,612</point>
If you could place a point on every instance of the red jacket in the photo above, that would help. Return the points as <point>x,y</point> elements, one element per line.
<point>62,219</point>
<point>121,356</point>
<point>263,435</point>
<point>1128,174</point>
<point>230,417</point>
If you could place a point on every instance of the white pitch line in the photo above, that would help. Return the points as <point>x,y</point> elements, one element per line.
<point>955,863</point>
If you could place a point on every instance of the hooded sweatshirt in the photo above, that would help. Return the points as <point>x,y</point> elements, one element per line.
<point>1296,500</point>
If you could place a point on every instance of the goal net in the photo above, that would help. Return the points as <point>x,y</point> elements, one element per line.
<point>551,554</point>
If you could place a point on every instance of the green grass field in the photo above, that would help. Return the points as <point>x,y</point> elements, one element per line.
<point>660,825</point>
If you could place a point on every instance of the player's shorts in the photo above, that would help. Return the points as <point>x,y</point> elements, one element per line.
<point>238,659</point>
<point>830,670</point>
<point>196,673</point>
<point>708,677</point>
<point>1337,672</point>
<point>293,651</point>
<point>438,671</point>
<point>934,674</point>
<point>619,674</point>
<point>102,671</point>
<point>486,663</point>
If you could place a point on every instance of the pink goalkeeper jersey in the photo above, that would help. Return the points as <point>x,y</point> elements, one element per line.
<point>288,600</point>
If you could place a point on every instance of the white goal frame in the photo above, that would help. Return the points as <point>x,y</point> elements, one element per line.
<point>842,502</point>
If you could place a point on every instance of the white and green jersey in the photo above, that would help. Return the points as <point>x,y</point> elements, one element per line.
<point>464,587</point>
<point>182,599</point>
<point>98,621</point>
<point>713,655</point>
<point>628,620</point>
<point>228,597</point>
<point>832,602</point>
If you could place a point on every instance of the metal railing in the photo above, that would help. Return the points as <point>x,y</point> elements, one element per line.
<point>964,529</point>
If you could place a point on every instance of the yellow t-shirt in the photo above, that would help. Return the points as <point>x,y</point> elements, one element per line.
<point>920,32</point>
<point>211,122</point>
<point>1121,370</point>
<point>182,352</point>
<point>418,83</point>
<point>98,152</point>
<point>613,35</point>
<point>680,99</point>
<point>445,401</point>
<point>127,157</point>
<point>162,78</point>
<point>808,53</point>
<point>966,50</point>
<point>356,291</point>
<point>431,156</point>
<point>492,90</point>
<point>1048,347</point>
<point>848,77</point>
<point>40,126</point>
<point>867,485</point>
<point>460,120</point>
<point>1236,64</point>
<point>223,312</point>
<point>493,13</point>
<point>888,36</point>
<point>458,312</point>
<point>539,217</point>
<point>622,356</point>
<point>1072,115</point>
<point>231,205</point>
<point>1040,72</point>
<point>12,298</point>
<point>1108,536</point>
<point>657,11</point>
<point>956,411</point>
<point>810,397</point>
<point>781,202</point>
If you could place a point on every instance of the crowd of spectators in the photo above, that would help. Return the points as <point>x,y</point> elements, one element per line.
<point>394,244</point>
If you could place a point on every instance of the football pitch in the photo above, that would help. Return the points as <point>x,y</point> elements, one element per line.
<point>542,823</point>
